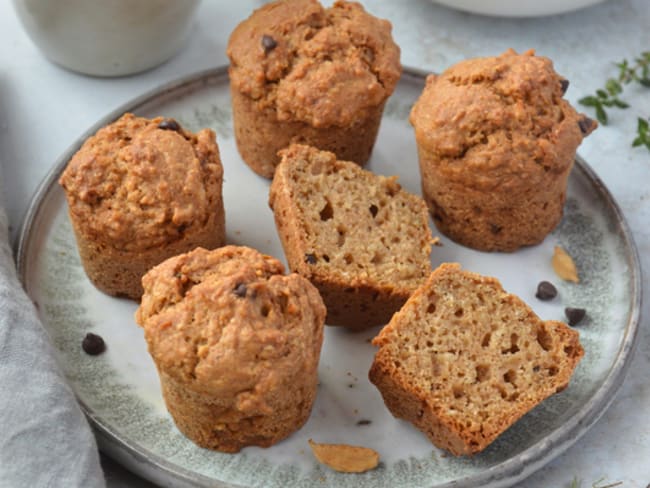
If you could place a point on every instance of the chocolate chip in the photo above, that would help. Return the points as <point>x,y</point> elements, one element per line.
<point>268,43</point>
<point>536,368</point>
<point>364,422</point>
<point>565,86</point>
<point>93,344</point>
<point>240,290</point>
<point>575,315</point>
<point>495,228</point>
<point>374,210</point>
<point>585,124</point>
<point>169,124</point>
<point>310,258</point>
<point>546,291</point>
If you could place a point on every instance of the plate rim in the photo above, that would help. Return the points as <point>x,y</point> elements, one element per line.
<point>153,467</point>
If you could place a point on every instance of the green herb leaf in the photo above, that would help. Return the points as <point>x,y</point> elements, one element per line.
<point>643,134</point>
<point>602,94</point>
<point>589,101</point>
<point>613,87</point>
<point>601,115</point>
<point>608,96</point>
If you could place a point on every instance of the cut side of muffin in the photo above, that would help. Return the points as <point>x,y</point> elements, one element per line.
<point>358,237</point>
<point>463,360</point>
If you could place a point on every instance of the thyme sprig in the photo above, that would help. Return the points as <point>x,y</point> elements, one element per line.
<point>607,97</point>
<point>610,95</point>
<point>643,134</point>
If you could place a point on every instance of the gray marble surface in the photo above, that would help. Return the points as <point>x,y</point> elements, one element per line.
<point>44,108</point>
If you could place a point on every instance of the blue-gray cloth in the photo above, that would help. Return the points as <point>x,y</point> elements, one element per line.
<point>45,440</point>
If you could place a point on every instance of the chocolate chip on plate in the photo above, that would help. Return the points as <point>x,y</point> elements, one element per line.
<point>575,315</point>
<point>310,258</point>
<point>268,43</point>
<point>565,86</point>
<point>93,344</point>
<point>240,290</point>
<point>169,124</point>
<point>546,291</point>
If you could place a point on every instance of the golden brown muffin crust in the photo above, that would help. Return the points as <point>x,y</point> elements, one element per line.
<point>229,323</point>
<point>325,67</point>
<point>493,122</point>
<point>137,186</point>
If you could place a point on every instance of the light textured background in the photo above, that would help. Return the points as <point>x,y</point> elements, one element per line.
<point>44,108</point>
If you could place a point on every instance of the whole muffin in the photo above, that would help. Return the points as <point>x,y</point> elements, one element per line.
<point>496,143</point>
<point>236,343</point>
<point>140,191</point>
<point>303,73</point>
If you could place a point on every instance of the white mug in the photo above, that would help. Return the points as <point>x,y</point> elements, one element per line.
<point>107,37</point>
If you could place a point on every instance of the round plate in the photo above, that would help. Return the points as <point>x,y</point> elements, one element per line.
<point>120,393</point>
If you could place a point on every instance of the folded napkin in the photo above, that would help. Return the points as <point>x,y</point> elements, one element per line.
<point>45,440</point>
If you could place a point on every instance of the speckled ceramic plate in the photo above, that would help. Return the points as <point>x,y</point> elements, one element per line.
<point>120,393</point>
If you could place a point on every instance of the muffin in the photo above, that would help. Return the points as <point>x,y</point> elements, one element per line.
<point>463,360</point>
<point>496,143</point>
<point>140,191</point>
<point>358,237</point>
<point>303,73</point>
<point>236,344</point>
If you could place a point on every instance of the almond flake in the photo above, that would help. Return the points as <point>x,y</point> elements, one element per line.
<point>345,458</point>
<point>564,266</point>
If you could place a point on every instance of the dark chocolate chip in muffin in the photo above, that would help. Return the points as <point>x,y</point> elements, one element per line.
<point>268,43</point>
<point>240,290</point>
<point>585,124</point>
<point>93,344</point>
<point>495,229</point>
<point>310,258</point>
<point>575,315</point>
<point>169,124</point>
<point>374,210</point>
<point>546,291</point>
<point>565,86</point>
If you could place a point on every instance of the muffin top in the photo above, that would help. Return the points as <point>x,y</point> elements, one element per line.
<point>230,323</point>
<point>495,121</point>
<point>326,67</point>
<point>140,183</point>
